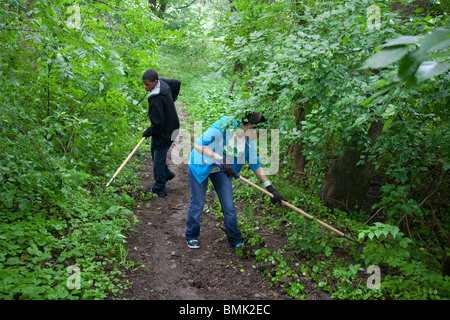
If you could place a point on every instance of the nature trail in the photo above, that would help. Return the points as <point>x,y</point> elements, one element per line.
<point>162,267</point>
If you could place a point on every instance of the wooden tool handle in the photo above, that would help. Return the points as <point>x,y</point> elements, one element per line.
<point>287,204</point>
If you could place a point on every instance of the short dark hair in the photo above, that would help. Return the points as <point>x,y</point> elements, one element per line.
<point>150,75</point>
<point>254,118</point>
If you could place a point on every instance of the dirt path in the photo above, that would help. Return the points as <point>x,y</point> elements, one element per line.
<point>162,267</point>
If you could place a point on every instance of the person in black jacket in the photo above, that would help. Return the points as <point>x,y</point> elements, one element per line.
<point>164,125</point>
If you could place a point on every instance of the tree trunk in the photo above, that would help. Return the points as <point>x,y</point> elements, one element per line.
<point>346,185</point>
<point>446,260</point>
<point>152,4</point>
<point>163,6</point>
<point>299,158</point>
<point>409,9</point>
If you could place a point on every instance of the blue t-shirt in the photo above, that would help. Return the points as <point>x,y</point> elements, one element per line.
<point>216,138</point>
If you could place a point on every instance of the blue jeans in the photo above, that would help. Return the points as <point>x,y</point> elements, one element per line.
<point>223,187</point>
<point>160,170</point>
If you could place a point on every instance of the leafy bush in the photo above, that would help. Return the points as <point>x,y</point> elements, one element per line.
<point>69,114</point>
<point>408,277</point>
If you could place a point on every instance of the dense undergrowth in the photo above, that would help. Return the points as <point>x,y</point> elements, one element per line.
<point>310,254</point>
<point>69,118</point>
<point>317,58</point>
<point>387,263</point>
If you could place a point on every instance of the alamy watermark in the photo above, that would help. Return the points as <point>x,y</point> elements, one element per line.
<point>73,281</point>
<point>373,282</point>
<point>373,17</point>
<point>74,20</point>
<point>236,141</point>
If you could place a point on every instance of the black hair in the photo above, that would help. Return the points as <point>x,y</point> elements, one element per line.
<point>254,118</point>
<point>150,75</point>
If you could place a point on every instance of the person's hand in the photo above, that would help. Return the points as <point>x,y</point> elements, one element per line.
<point>227,168</point>
<point>147,133</point>
<point>276,195</point>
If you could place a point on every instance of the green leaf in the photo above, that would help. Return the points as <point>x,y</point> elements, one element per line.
<point>430,69</point>
<point>119,70</point>
<point>24,204</point>
<point>394,231</point>
<point>14,261</point>
<point>390,111</point>
<point>385,232</point>
<point>411,63</point>
<point>385,57</point>
<point>387,124</point>
<point>88,39</point>
<point>408,67</point>
<point>114,53</point>
<point>401,41</point>
<point>437,40</point>
<point>361,119</point>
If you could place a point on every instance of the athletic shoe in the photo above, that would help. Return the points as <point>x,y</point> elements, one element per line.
<point>240,245</point>
<point>193,244</point>
<point>170,178</point>
<point>158,194</point>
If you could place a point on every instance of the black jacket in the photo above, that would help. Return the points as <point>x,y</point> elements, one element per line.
<point>174,86</point>
<point>163,114</point>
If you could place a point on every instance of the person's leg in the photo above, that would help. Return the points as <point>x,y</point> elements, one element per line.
<point>159,170</point>
<point>198,193</point>
<point>169,174</point>
<point>224,190</point>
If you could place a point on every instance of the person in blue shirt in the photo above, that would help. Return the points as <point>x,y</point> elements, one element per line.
<point>229,142</point>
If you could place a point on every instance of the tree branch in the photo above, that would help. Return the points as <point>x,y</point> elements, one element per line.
<point>183,7</point>
<point>434,191</point>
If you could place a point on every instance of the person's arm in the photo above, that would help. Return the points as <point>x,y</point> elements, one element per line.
<point>156,116</point>
<point>208,152</point>
<point>261,175</point>
<point>174,85</point>
<point>225,167</point>
<point>268,185</point>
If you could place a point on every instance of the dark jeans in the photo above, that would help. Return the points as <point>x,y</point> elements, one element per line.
<point>160,170</point>
<point>223,187</point>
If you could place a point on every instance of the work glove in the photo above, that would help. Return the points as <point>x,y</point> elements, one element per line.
<point>276,195</point>
<point>147,133</point>
<point>228,169</point>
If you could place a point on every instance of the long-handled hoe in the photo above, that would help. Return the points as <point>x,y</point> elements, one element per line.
<point>129,156</point>
<point>287,204</point>
<point>124,163</point>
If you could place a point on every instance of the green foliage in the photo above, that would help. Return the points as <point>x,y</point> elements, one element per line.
<point>69,89</point>
<point>390,249</point>
<point>414,66</point>
<point>349,286</point>
<point>314,55</point>
<point>308,239</point>
<point>70,80</point>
